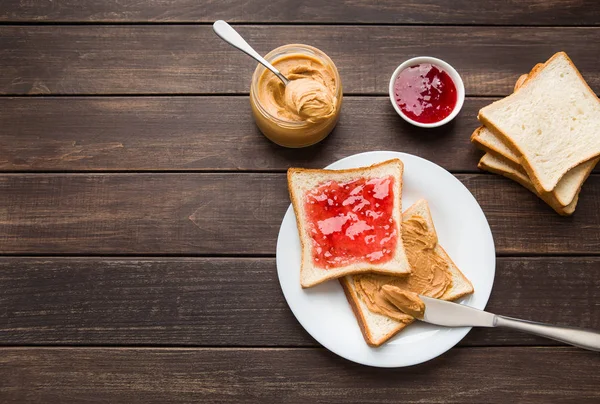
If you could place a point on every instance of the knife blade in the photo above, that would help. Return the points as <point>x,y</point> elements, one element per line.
<point>450,314</point>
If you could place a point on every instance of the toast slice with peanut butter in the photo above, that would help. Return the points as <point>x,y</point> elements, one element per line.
<point>433,274</point>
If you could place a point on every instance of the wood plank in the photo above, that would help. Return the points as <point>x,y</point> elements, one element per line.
<point>238,302</point>
<point>526,12</point>
<point>206,133</point>
<point>236,214</point>
<point>474,375</point>
<point>154,59</point>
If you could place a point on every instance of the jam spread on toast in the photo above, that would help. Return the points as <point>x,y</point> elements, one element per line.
<point>352,222</point>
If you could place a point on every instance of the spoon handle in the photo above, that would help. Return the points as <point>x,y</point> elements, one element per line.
<point>587,339</point>
<point>231,36</point>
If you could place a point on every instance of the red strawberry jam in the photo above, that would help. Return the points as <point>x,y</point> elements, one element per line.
<point>425,93</point>
<point>352,221</point>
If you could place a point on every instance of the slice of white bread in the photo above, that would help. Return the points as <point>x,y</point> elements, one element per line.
<point>551,122</point>
<point>377,328</point>
<point>488,142</point>
<point>567,188</point>
<point>301,181</point>
<point>500,165</point>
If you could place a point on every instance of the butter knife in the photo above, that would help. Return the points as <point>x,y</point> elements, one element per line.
<point>450,314</point>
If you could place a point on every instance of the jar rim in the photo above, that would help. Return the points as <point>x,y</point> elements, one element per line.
<point>282,51</point>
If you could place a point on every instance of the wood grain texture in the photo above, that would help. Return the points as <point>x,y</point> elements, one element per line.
<point>476,375</point>
<point>200,316</point>
<point>526,12</point>
<point>237,214</point>
<point>238,302</point>
<point>192,59</point>
<point>206,133</point>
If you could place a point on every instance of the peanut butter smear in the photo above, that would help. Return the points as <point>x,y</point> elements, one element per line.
<point>308,97</point>
<point>406,301</point>
<point>430,275</point>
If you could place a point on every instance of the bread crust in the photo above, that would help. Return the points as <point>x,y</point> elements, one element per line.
<point>440,250</point>
<point>325,171</point>
<point>360,318</point>
<point>486,147</point>
<point>292,193</point>
<point>546,197</point>
<point>520,81</point>
<point>549,197</point>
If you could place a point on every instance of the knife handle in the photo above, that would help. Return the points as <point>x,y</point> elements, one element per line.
<point>579,337</point>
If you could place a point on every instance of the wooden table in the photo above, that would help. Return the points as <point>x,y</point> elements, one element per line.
<point>139,204</point>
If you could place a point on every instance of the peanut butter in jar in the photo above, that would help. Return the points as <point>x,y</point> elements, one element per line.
<point>306,110</point>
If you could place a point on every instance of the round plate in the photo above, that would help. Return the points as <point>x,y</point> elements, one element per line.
<point>462,230</point>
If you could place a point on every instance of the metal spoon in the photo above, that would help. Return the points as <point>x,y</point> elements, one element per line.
<point>231,36</point>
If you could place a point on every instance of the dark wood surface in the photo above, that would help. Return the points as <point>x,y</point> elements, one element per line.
<point>195,134</point>
<point>140,205</point>
<point>523,12</point>
<point>298,375</point>
<point>191,59</point>
<point>237,301</point>
<point>237,214</point>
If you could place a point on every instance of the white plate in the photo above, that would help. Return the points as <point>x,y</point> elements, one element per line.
<point>462,230</point>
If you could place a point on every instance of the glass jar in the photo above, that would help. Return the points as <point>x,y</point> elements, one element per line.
<point>293,133</point>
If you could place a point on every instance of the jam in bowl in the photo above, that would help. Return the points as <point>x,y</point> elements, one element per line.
<point>426,92</point>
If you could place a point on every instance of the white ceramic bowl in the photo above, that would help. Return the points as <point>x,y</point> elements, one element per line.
<point>460,89</point>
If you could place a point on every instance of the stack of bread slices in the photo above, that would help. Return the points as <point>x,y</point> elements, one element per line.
<point>546,135</point>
